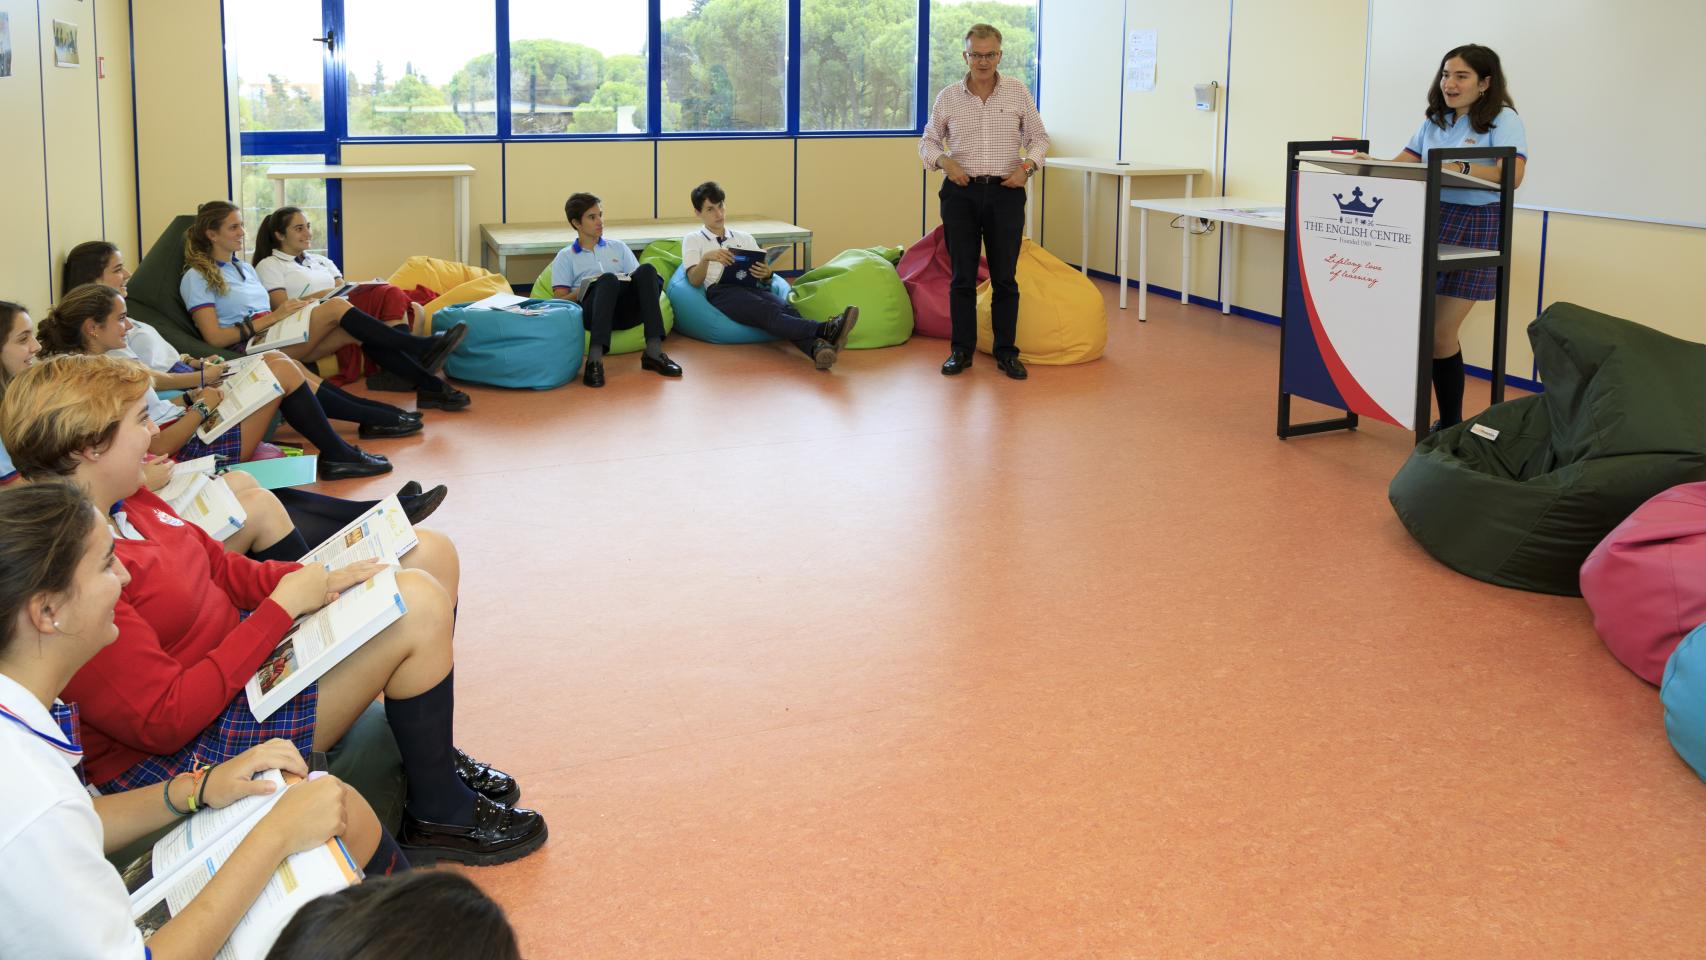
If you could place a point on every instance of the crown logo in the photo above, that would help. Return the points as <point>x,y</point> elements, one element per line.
<point>1356,208</point>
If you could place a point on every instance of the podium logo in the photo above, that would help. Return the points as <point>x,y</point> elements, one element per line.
<point>1356,208</point>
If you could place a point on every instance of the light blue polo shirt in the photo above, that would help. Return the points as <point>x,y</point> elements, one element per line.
<point>245,295</point>
<point>575,263</point>
<point>1507,131</point>
<point>7,471</point>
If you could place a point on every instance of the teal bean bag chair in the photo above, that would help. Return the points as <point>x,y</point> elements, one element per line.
<point>632,340</point>
<point>505,349</point>
<point>863,279</point>
<point>695,317</point>
<point>1620,422</point>
<point>1683,693</point>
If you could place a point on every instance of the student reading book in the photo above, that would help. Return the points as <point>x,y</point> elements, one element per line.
<point>293,329</point>
<point>59,581</point>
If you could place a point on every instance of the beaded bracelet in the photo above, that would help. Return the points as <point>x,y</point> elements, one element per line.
<point>166,794</point>
<point>206,775</point>
<point>197,778</point>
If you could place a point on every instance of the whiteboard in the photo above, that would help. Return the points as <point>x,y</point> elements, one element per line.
<point>1612,95</point>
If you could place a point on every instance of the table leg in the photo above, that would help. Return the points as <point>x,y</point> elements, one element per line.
<point>503,265</point>
<point>1143,266</point>
<point>808,253</point>
<point>461,219</point>
<point>1185,270</point>
<point>485,254</point>
<point>1231,281</point>
<point>1125,235</point>
<point>1084,258</point>
<point>278,193</point>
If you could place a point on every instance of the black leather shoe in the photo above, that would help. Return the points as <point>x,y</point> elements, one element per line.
<point>661,364</point>
<point>499,834</point>
<point>419,506</point>
<point>443,345</point>
<point>841,328</point>
<point>956,363</point>
<point>449,398</point>
<point>1012,367</point>
<point>593,375</point>
<point>400,427</point>
<point>487,781</point>
<point>370,465</point>
<point>410,489</point>
<point>824,354</point>
<point>389,382</point>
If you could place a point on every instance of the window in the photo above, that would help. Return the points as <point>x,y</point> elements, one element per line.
<point>859,64</point>
<point>256,195</point>
<point>577,67</point>
<point>279,84</point>
<point>428,68</point>
<point>725,65</point>
<point>949,21</point>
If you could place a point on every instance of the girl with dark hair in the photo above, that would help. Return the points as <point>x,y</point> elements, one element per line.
<point>229,305</point>
<point>18,350</point>
<point>289,269</point>
<point>1469,105</point>
<point>60,581</point>
<point>97,261</point>
<point>422,915</point>
<point>91,319</point>
<point>167,697</point>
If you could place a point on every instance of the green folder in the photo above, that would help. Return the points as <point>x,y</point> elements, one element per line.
<point>282,471</point>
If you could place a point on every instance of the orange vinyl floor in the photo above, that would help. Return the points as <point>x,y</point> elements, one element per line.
<point>878,663</point>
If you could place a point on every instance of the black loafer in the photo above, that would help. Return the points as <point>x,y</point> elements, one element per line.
<point>487,781</point>
<point>499,834</point>
<point>419,505</point>
<point>370,465</point>
<point>823,354</point>
<point>410,489</point>
<point>844,327</point>
<point>956,363</point>
<point>443,345</point>
<point>1012,367</point>
<point>660,364</point>
<point>449,398</point>
<point>593,375</point>
<point>401,427</point>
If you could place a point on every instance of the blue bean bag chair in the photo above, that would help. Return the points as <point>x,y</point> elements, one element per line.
<point>1684,695</point>
<point>695,317</point>
<point>506,349</point>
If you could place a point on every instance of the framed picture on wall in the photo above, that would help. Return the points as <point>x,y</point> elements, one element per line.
<point>64,44</point>
<point>5,45</point>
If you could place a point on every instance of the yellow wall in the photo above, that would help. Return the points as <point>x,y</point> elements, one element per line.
<point>181,113</point>
<point>758,176</point>
<point>832,202</point>
<point>66,159</point>
<point>386,221</point>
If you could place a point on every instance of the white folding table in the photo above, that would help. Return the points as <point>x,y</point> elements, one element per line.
<point>1124,170</point>
<point>1232,211</point>
<point>460,172</point>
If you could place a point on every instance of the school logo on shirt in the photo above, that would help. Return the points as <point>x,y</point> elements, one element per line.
<point>1469,141</point>
<point>168,518</point>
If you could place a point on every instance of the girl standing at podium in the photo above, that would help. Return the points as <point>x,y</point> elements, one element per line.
<point>1469,105</point>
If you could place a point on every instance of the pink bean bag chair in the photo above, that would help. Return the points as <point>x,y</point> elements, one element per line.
<point>925,270</point>
<point>1646,581</point>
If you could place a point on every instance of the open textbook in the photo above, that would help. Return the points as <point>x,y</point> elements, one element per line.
<point>249,386</point>
<point>164,880</point>
<point>322,639</point>
<point>293,329</point>
<point>386,523</point>
<point>203,499</point>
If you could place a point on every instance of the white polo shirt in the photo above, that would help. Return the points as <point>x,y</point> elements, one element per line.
<point>143,342</point>
<point>59,897</point>
<point>695,245</point>
<point>298,275</point>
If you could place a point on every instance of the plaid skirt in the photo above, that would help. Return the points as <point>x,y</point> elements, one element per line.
<point>231,733</point>
<point>1469,226</point>
<point>228,447</point>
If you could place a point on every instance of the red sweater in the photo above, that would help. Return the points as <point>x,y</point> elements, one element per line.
<point>182,653</point>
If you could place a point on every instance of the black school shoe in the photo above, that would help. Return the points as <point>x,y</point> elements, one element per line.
<point>486,780</point>
<point>449,398</point>
<point>400,427</point>
<point>370,465</point>
<point>443,345</point>
<point>499,834</point>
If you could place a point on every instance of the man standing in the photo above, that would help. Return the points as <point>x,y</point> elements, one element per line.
<point>977,131</point>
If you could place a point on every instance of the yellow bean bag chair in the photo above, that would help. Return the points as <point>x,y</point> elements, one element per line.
<point>1062,318</point>
<point>454,282</point>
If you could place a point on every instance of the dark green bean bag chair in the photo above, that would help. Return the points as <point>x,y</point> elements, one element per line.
<point>1623,419</point>
<point>153,293</point>
<point>366,759</point>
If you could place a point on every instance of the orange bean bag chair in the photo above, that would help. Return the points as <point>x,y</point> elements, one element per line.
<point>1062,318</point>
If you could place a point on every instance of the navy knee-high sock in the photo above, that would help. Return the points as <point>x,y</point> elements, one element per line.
<point>304,415</point>
<point>1448,388</point>
<point>371,332</point>
<point>290,547</point>
<point>423,727</point>
<point>387,858</point>
<point>340,405</point>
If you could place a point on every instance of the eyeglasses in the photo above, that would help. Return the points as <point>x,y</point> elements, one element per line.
<point>983,56</point>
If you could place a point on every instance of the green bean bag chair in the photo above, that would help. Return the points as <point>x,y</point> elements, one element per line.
<point>696,318</point>
<point>153,293</point>
<point>633,339</point>
<point>1520,495</point>
<point>858,278</point>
